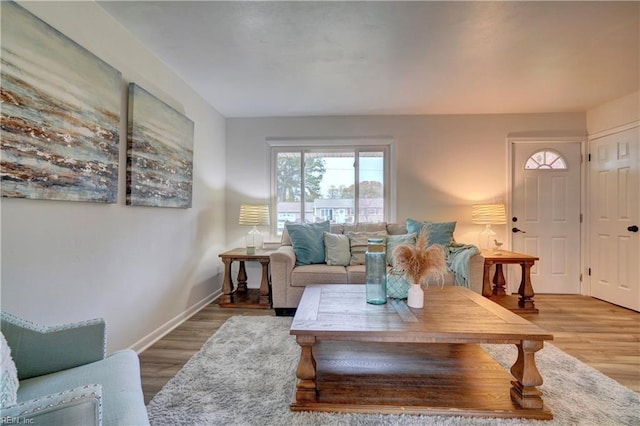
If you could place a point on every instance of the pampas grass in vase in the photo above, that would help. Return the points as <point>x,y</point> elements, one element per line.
<point>421,262</point>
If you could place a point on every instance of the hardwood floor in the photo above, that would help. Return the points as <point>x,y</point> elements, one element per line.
<point>604,336</point>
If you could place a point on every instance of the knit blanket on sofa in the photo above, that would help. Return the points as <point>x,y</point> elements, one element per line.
<point>458,258</point>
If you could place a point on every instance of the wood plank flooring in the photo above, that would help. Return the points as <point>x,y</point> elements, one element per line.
<point>602,335</point>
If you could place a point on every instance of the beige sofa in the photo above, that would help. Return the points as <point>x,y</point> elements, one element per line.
<point>288,280</point>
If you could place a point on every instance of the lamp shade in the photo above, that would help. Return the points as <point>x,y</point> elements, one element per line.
<point>488,214</point>
<point>254,215</point>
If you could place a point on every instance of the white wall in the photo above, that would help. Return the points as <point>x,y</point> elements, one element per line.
<point>445,163</point>
<point>617,112</point>
<point>139,268</point>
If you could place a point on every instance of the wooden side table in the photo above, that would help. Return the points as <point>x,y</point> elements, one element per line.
<point>243,296</point>
<point>523,302</point>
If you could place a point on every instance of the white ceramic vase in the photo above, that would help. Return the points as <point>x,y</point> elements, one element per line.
<point>415,296</point>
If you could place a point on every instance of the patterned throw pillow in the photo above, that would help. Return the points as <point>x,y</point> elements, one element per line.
<point>336,249</point>
<point>308,241</point>
<point>8,376</point>
<point>358,244</point>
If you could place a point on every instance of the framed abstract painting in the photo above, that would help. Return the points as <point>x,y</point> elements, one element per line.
<point>60,115</point>
<point>159,153</point>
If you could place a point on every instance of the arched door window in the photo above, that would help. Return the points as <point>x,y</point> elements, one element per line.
<point>545,159</point>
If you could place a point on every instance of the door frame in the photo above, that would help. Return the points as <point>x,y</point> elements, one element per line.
<point>585,285</point>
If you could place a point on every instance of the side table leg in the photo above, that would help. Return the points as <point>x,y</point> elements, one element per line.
<point>242,278</point>
<point>526,289</point>
<point>486,284</point>
<point>306,386</point>
<point>227,283</point>
<point>264,284</point>
<point>498,281</point>
<point>524,391</point>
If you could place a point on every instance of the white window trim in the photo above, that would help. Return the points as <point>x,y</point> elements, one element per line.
<point>373,142</point>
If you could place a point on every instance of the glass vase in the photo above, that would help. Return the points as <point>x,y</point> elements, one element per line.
<point>375,261</point>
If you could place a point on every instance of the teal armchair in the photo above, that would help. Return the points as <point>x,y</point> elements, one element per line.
<point>65,377</point>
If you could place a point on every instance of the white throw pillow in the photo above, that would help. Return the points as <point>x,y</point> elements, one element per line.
<point>336,249</point>
<point>8,376</point>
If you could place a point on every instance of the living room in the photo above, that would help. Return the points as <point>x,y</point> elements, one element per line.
<point>145,270</point>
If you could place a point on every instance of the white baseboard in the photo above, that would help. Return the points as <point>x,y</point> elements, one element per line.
<point>166,328</point>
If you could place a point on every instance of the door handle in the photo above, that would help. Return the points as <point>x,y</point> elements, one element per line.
<point>514,230</point>
<point>633,228</point>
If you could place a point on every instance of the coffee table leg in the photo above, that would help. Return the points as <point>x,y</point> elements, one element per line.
<point>524,391</point>
<point>306,372</point>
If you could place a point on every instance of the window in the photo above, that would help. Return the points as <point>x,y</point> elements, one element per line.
<point>545,159</point>
<point>345,184</point>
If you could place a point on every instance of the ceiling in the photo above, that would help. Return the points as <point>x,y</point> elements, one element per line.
<point>254,59</point>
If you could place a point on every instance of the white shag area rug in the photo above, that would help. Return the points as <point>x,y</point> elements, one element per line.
<point>245,374</point>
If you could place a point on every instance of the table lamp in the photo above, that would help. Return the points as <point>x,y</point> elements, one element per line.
<point>254,215</point>
<point>488,214</point>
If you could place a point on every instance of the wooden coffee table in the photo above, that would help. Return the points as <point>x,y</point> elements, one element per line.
<point>357,357</point>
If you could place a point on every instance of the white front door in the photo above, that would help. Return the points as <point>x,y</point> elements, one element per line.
<point>545,211</point>
<point>615,217</point>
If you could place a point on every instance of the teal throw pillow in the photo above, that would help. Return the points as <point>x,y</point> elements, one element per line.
<point>308,241</point>
<point>439,232</point>
<point>394,240</point>
<point>336,249</point>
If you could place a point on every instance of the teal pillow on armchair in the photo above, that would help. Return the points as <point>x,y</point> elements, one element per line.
<point>308,241</point>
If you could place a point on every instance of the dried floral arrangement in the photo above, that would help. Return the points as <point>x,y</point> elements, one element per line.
<point>421,262</point>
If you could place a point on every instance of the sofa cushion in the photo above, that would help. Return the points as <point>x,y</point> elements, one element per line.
<point>356,274</point>
<point>358,244</point>
<point>336,249</point>
<point>394,240</point>
<point>318,274</point>
<point>308,242</point>
<point>8,376</point>
<point>439,232</point>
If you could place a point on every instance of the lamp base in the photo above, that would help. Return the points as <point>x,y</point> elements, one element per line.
<point>486,238</point>
<point>253,240</point>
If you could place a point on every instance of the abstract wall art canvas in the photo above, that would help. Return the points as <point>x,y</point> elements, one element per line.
<point>159,153</point>
<point>60,116</point>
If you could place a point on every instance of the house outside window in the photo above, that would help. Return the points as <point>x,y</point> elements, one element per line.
<point>342,184</point>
